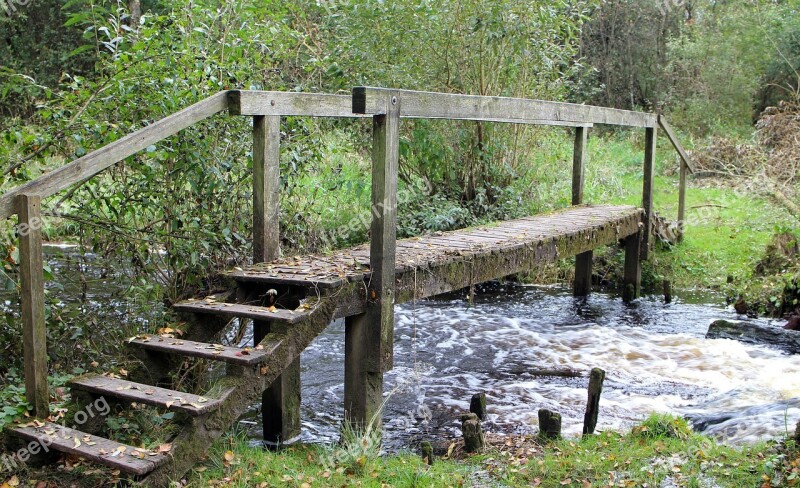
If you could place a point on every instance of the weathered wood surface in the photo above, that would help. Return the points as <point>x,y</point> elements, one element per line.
<point>753,333</point>
<point>549,425</point>
<point>233,355</point>
<point>632,274</point>
<point>428,105</point>
<point>435,264</point>
<point>648,183</point>
<point>188,403</point>
<point>266,188</point>
<point>128,459</point>
<point>673,139</point>
<point>232,310</point>
<point>34,327</point>
<point>270,103</point>
<point>96,161</point>
<point>596,379</point>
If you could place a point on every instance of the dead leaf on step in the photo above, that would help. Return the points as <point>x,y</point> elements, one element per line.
<point>164,448</point>
<point>77,443</point>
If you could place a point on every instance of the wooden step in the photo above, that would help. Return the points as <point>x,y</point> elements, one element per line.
<point>193,405</point>
<point>272,314</point>
<point>128,459</point>
<point>234,355</point>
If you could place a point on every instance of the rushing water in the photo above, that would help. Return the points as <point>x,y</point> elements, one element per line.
<point>655,356</point>
<point>446,349</point>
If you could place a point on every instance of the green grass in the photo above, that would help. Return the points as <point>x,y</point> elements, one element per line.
<point>662,447</point>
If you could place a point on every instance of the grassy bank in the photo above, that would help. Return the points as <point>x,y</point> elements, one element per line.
<point>661,450</point>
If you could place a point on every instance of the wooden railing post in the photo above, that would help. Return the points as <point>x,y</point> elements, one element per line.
<point>647,190</point>
<point>280,403</point>
<point>682,200</point>
<point>583,262</point>
<point>34,328</point>
<point>369,337</point>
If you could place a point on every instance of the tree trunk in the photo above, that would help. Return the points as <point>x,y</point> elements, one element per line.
<point>135,8</point>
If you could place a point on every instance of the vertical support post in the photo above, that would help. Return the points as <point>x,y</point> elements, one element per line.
<point>583,262</point>
<point>579,164</point>
<point>647,190</point>
<point>34,332</point>
<point>682,200</point>
<point>266,187</point>
<point>633,267</point>
<point>280,403</point>
<point>370,336</point>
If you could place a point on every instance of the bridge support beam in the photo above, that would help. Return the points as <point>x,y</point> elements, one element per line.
<point>363,390</point>
<point>280,403</point>
<point>647,189</point>
<point>583,262</point>
<point>633,267</point>
<point>34,328</point>
<point>369,343</point>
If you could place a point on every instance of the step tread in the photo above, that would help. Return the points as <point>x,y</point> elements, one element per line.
<point>234,355</point>
<point>103,451</point>
<point>210,306</point>
<point>194,405</point>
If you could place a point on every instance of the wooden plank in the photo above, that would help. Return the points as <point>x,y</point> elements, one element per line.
<point>427,105</point>
<point>579,164</point>
<point>232,310</point>
<point>194,405</point>
<point>648,178</point>
<point>232,355</point>
<point>675,143</point>
<point>34,327</point>
<point>266,188</point>
<point>271,103</point>
<point>128,459</point>
<point>96,161</point>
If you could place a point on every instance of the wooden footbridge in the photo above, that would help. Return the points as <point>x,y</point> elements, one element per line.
<point>291,300</point>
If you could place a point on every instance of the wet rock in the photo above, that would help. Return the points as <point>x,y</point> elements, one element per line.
<point>756,333</point>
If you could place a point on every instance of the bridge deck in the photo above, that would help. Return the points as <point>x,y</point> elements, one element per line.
<point>447,261</point>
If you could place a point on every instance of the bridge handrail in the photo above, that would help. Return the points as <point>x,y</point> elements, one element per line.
<point>430,105</point>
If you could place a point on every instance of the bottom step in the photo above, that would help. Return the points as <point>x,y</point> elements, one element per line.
<point>127,459</point>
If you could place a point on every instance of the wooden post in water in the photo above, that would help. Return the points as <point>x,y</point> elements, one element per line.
<point>369,337</point>
<point>34,327</point>
<point>583,262</point>
<point>280,403</point>
<point>633,267</point>
<point>647,188</point>
<point>596,378</point>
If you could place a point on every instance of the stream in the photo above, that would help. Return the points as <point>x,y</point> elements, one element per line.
<point>446,349</point>
<point>655,356</point>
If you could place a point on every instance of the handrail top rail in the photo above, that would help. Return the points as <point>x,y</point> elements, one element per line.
<point>238,102</point>
<point>432,105</point>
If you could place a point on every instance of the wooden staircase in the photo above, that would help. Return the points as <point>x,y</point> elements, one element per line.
<point>201,419</point>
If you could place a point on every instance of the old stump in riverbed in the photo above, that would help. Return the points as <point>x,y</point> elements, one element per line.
<point>473,432</point>
<point>549,425</point>
<point>477,405</point>
<point>596,378</point>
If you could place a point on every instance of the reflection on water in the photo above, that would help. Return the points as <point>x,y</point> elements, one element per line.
<point>655,356</point>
